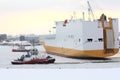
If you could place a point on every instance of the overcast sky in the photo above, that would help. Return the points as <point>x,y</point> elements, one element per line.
<point>39,16</point>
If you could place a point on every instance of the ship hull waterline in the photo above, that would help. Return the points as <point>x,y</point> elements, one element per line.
<point>79,53</point>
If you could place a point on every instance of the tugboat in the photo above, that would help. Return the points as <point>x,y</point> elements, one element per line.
<point>32,57</point>
<point>21,46</point>
<point>20,49</point>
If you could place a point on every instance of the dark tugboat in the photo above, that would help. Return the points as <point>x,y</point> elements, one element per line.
<point>32,57</point>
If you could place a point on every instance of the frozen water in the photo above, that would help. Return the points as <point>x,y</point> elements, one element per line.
<point>6,56</point>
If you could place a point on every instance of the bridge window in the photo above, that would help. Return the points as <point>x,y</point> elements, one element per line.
<point>89,40</point>
<point>100,39</point>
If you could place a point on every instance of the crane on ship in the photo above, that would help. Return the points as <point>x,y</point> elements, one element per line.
<point>90,11</point>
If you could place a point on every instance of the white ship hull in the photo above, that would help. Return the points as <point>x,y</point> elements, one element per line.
<point>79,38</point>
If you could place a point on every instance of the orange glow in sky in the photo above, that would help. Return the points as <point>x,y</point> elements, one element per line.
<point>38,16</point>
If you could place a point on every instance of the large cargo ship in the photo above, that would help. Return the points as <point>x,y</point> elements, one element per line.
<point>85,38</point>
